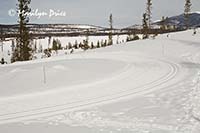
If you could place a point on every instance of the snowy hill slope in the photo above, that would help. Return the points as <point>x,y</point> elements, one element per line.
<point>142,86</point>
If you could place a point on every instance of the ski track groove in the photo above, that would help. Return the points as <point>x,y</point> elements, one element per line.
<point>59,109</point>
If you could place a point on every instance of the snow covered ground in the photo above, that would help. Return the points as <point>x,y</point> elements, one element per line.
<point>145,86</point>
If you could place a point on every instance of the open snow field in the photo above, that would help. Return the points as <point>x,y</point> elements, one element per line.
<point>145,86</point>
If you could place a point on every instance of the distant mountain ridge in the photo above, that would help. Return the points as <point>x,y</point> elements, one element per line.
<point>74,26</point>
<point>85,29</point>
<point>179,21</point>
<point>53,29</point>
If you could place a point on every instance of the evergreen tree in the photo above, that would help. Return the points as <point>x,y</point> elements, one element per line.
<point>55,45</point>
<point>86,41</point>
<point>40,48</point>
<point>98,44</point>
<point>136,37</point>
<point>128,38</point>
<point>35,47</point>
<point>117,39</point>
<point>92,45</point>
<point>162,26</point>
<point>110,37</point>
<point>49,41</point>
<point>105,43</point>
<point>76,45</point>
<point>102,43</point>
<point>3,61</point>
<point>81,45</point>
<point>132,37</point>
<point>87,38</point>
<point>145,26</point>
<point>2,38</point>
<point>47,52</point>
<point>8,52</point>
<point>23,50</point>
<point>149,12</point>
<point>1,34</point>
<point>13,46</point>
<point>59,45</point>
<point>32,46</point>
<point>187,11</point>
<point>69,45</point>
<point>85,45</point>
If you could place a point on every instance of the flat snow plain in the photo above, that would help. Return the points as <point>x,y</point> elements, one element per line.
<point>144,86</point>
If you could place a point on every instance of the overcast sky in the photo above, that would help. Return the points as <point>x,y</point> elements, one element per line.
<point>96,12</point>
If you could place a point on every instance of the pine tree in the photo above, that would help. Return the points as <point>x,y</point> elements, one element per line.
<point>92,45</point>
<point>162,26</point>
<point>86,41</point>
<point>59,45</point>
<point>23,50</point>
<point>187,11</point>
<point>110,37</point>
<point>32,46</point>
<point>149,12</point>
<point>105,43</point>
<point>128,38</point>
<point>80,45</point>
<point>49,41</point>
<point>40,48</point>
<point>69,45</point>
<point>76,45</point>
<point>136,37</point>
<point>145,26</point>
<point>54,46</point>
<point>1,34</point>
<point>35,47</point>
<point>98,44</point>
<point>117,39</point>
<point>2,39</point>
<point>132,37</point>
<point>87,37</point>
<point>13,46</point>
<point>102,43</point>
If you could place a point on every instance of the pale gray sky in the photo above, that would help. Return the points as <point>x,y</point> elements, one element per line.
<point>125,12</point>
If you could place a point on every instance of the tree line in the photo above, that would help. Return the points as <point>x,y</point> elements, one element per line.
<point>23,50</point>
<point>147,17</point>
